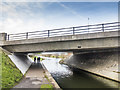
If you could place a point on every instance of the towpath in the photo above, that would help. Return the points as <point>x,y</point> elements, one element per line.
<point>34,78</point>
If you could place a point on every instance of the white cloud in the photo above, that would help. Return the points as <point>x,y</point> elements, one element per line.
<point>14,21</point>
<point>9,9</point>
<point>18,25</point>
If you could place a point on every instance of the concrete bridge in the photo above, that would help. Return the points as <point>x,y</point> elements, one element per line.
<point>81,43</point>
<point>97,39</point>
<point>101,42</point>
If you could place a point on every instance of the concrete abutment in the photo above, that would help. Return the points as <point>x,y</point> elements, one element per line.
<point>105,64</point>
<point>22,61</point>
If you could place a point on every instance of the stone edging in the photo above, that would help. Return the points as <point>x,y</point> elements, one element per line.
<point>50,77</point>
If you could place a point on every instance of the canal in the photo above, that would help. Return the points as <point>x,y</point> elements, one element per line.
<point>67,77</point>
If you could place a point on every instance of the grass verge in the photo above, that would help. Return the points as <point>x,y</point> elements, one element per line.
<point>50,86</point>
<point>10,74</point>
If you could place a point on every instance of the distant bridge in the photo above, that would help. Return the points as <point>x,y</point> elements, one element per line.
<point>76,39</point>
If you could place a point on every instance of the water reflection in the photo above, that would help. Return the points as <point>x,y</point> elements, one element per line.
<point>73,78</point>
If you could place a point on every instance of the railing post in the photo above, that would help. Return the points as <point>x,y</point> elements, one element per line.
<point>88,28</point>
<point>8,37</point>
<point>48,33</point>
<point>73,30</point>
<point>103,27</point>
<point>27,35</point>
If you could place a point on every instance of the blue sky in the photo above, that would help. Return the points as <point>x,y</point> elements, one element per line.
<point>35,16</point>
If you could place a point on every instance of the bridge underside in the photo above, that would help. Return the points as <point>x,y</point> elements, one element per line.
<point>90,45</point>
<point>76,51</point>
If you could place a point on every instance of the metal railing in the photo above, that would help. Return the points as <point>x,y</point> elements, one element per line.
<point>114,26</point>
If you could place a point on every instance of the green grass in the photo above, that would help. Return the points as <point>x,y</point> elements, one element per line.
<point>47,77</point>
<point>50,86</point>
<point>53,56</point>
<point>10,74</point>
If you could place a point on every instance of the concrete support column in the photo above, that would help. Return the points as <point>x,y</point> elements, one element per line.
<point>3,37</point>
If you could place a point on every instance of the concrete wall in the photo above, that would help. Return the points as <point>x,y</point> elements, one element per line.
<point>102,63</point>
<point>2,38</point>
<point>64,38</point>
<point>93,41</point>
<point>22,62</point>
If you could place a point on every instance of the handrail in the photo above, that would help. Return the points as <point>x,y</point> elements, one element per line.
<point>62,31</point>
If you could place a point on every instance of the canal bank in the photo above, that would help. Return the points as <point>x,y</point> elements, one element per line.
<point>72,78</point>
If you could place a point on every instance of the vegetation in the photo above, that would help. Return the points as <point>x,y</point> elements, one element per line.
<point>41,59</point>
<point>61,61</point>
<point>47,78</point>
<point>10,74</point>
<point>50,86</point>
<point>52,56</point>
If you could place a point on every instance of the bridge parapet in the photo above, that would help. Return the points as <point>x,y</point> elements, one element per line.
<point>64,38</point>
<point>85,42</point>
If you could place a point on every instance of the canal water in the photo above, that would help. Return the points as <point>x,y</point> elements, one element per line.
<point>67,77</point>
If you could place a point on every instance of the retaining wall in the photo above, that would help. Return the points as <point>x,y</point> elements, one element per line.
<point>22,62</point>
<point>103,63</point>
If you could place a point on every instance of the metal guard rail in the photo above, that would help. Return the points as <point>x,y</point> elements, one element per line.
<point>114,26</point>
